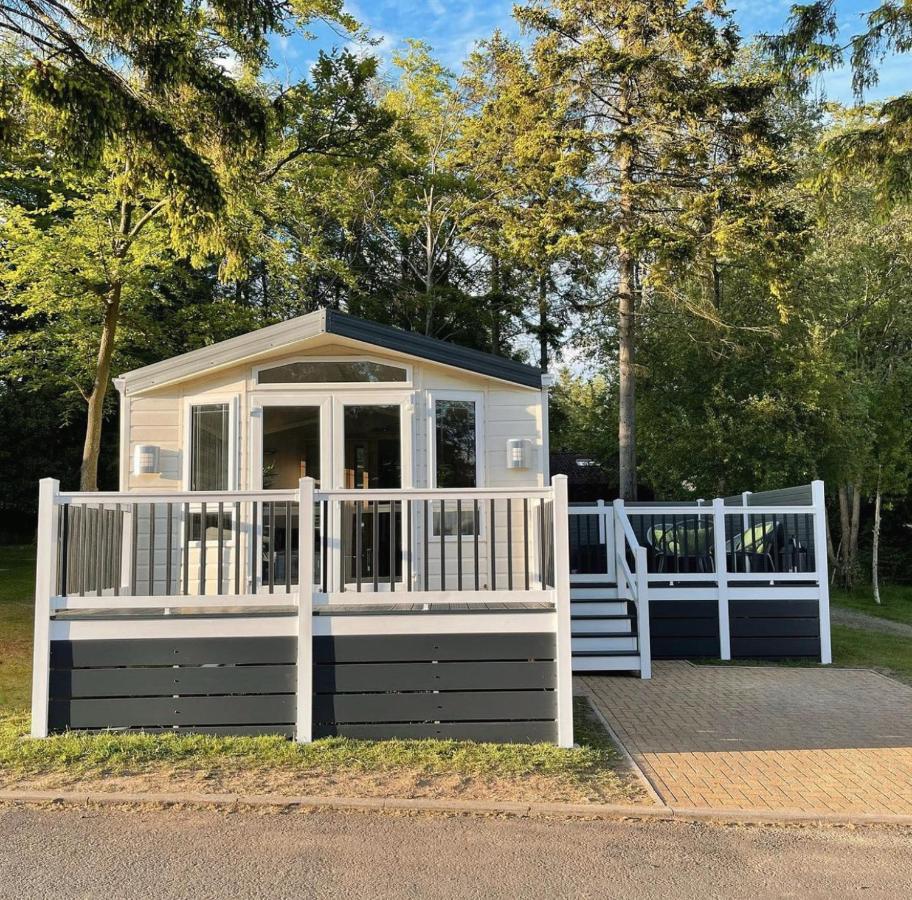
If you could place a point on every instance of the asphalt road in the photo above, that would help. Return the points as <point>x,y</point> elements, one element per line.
<point>122,854</point>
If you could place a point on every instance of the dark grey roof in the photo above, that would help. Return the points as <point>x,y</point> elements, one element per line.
<point>420,345</point>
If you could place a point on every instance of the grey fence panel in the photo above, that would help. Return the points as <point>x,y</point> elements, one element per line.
<point>140,712</point>
<point>183,684</point>
<point>450,706</point>
<point>184,651</point>
<point>500,732</point>
<point>168,680</point>
<point>438,647</point>
<point>468,686</point>
<point>434,676</point>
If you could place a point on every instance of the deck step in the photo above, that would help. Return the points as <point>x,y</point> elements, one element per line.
<point>600,642</point>
<point>592,592</point>
<point>601,624</point>
<point>581,607</point>
<point>605,662</point>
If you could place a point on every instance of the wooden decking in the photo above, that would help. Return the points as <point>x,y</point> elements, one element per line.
<point>347,609</point>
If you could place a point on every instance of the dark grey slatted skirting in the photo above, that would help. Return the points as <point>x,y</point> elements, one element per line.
<point>218,685</point>
<point>484,687</point>
<point>774,628</point>
<point>684,629</point>
<point>689,629</point>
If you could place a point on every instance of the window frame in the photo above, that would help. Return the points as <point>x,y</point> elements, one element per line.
<point>332,385</point>
<point>232,401</point>
<point>478,398</point>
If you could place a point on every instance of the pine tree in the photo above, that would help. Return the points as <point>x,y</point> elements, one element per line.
<point>677,141</point>
<point>878,141</point>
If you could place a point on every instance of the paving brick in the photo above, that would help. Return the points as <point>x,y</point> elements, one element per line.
<point>836,740</point>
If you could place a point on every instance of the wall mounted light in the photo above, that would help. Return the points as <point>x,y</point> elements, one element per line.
<point>146,460</point>
<point>519,453</point>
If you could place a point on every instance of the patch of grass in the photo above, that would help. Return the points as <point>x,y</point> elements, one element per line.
<point>888,653</point>
<point>589,768</point>
<point>852,648</point>
<point>591,765</point>
<point>896,602</point>
<point>17,591</point>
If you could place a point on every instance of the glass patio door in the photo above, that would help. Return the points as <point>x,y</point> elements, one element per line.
<point>290,442</point>
<point>371,454</point>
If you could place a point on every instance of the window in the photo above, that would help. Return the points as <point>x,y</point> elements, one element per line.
<point>455,438</point>
<point>209,447</point>
<point>211,465</point>
<point>332,372</point>
<point>456,455</point>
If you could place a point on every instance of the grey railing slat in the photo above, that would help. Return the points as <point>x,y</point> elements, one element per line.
<point>220,553</point>
<point>186,554</point>
<point>202,578</point>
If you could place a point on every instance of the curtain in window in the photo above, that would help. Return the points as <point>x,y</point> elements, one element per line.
<point>209,450</point>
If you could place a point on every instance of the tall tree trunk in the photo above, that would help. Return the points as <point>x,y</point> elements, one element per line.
<point>626,378</point>
<point>88,479</point>
<point>543,323</point>
<point>849,522</point>
<point>626,149</point>
<point>88,476</point>
<point>430,248</point>
<point>832,553</point>
<point>854,530</point>
<point>495,292</point>
<point>875,545</point>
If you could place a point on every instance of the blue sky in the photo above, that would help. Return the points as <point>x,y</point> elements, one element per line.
<point>451,27</point>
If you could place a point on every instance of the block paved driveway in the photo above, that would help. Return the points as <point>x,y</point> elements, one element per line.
<point>828,740</point>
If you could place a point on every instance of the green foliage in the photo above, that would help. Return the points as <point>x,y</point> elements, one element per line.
<point>878,141</point>
<point>109,75</point>
<point>583,418</point>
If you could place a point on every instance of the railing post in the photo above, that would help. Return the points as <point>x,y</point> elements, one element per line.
<point>644,639</point>
<point>820,565</point>
<point>745,515</point>
<point>619,549</point>
<point>45,588</point>
<point>721,577</point>
<point>562,606</point>
<point>304,659</point>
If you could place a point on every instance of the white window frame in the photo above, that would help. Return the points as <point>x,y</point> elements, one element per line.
<point>405,401</point>
<point>321,401</point>
<point>333,385</point>
<point>233,403</point>
<point>478,398</point>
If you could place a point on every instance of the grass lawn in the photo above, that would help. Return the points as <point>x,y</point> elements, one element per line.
<point>852,648</point>
<point>896,602</point>
<point>888,653</point>
<point>592,771</point>
<point>17,587</point>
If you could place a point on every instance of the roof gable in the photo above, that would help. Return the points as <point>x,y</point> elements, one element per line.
<point>325,321</point>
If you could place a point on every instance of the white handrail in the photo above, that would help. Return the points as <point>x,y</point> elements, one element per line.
<point>434,494</point>
<point>91,498</point>
<point>636,583</point>
<point>708,510</point>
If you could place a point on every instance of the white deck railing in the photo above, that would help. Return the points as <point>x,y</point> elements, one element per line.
<point>727,550</point>
<point>114,552</point>
<point>632,581</point>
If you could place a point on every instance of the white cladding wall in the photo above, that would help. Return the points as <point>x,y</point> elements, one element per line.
<point>159,417</point>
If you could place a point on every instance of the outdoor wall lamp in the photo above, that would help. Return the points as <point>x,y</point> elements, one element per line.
<point>519,453</point>
<point>146,460</point>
